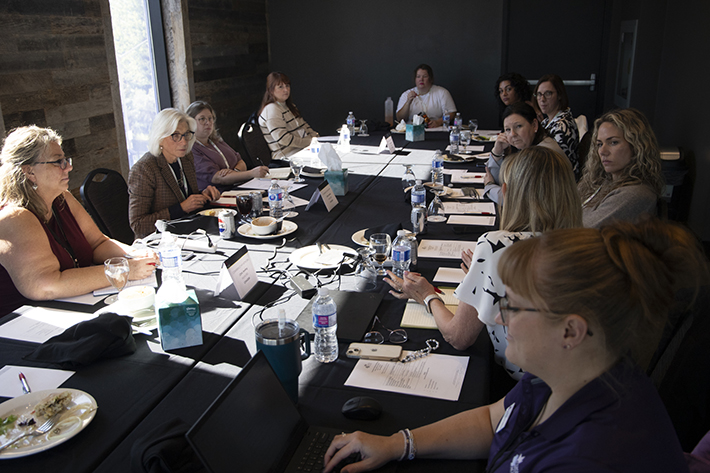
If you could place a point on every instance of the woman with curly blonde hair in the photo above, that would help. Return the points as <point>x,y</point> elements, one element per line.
<point>622,178</point>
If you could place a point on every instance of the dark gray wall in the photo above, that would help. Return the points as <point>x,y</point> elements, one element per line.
<point>345,56</point>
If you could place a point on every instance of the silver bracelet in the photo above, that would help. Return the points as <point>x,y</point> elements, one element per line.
<point>406,445</point>
<point>411,447</point>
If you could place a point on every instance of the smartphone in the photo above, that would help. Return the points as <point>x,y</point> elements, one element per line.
<point>371,351</point>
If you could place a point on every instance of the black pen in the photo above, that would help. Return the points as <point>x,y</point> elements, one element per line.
<point>25,387</point>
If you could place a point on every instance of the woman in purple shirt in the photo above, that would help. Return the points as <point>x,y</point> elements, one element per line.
<point>216,163</point>
<point>584,310</point>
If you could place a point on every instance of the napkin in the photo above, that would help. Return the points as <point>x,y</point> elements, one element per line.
<point>390,229</point>
<point>401,126</point>
<point>417,120</point>
<point>107,336</point>
<point>330,158</point>
<point>165,450</point>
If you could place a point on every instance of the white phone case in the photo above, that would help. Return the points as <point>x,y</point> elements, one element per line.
<point>371,351</point>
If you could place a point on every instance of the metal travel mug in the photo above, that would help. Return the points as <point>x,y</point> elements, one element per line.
<point>285,349</point>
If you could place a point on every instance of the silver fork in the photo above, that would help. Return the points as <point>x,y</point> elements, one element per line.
<point>41,430</point>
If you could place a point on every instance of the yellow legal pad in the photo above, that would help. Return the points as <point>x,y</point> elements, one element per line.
<point>416,316</point>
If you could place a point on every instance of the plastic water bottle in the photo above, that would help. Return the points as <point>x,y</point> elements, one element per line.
<point>389,111</point>
<point>458,121</point>
<point>437,167</point>
<point>351,123</point>
<point>447,119</point>
<point>173,285</point>
<point>419,194</point>
<point>325,323</point>
<point>276,199</point>
<point>401,253</point>
<point>454,139</point>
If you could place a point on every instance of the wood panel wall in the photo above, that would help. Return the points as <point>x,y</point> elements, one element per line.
<point>54,72</point>
<point>230,59</point>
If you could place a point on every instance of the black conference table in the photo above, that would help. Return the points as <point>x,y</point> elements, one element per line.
<point>136,393</point>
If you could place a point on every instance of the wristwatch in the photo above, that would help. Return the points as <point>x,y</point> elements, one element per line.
<point>428,299</point>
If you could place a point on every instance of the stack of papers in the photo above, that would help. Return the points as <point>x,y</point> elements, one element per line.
<point>416,316</point>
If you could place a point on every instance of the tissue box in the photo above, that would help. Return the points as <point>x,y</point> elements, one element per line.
<point>338,181</point>
<point>415,132</point>
<point>179,325</point>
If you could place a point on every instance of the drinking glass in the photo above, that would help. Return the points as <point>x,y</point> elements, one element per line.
<point>288,213</point>
<point>435,212</point>
<point>296,167</point>
<point>408,179</point>
<point>465,139</point>
<point>244,206</point>
<point>365,274</point>
<point>473,125</point>
<point>116,270</point>
<point>363,128</point>
<point>380,244</point>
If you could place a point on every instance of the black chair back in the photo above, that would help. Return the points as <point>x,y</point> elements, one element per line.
<point>105,196</point>
<point>254,144</point>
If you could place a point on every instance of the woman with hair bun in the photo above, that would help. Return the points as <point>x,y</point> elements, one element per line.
<point>540,195</point>
<point>622,177</point>
<point>584,310</point>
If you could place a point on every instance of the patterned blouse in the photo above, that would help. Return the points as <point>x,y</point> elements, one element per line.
<point>563,129</point>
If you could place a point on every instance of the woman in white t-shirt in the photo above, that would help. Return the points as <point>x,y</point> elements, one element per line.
<point>540,195</point>
<point>425,97</point>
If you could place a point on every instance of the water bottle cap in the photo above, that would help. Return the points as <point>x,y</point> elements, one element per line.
<point>322,291</point>
<point>419,182</point>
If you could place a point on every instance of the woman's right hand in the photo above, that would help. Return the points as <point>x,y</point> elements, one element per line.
<point>411,96</point>
<point>466,256</point>
<point>501,144</point>
<point>193,202</point>
<point>142,265</point>
<point>259,171</point>
<point>374,451</point>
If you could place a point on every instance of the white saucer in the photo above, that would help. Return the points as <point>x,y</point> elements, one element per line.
<point>287,228</point>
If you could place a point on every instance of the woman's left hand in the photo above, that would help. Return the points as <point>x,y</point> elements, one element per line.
<point>436,122</point>
<point>142,264</point>
<point>211,193</point>
<point>488,179</point>
<point>411,286</point>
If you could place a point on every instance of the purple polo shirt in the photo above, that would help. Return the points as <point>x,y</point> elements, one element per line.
<point>208,161</point>
<point>616,422</point>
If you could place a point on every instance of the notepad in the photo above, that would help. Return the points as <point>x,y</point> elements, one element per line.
<point>416,316</point>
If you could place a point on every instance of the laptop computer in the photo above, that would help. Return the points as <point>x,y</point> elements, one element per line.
<point>254,427</point>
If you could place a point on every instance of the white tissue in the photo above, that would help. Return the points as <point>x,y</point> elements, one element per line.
<point>417,120</point>
<point>330,158</point>
<point>401,126</point>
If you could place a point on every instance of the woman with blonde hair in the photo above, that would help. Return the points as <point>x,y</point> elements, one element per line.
<point>284,129</point>
<point>584,309</point>
<point>162,185</point>
<point>49,246</point>
<point>540,195</point>
<point>622,177</point>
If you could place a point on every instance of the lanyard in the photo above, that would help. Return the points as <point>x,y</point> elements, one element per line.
<point>226,163</point>
<point>182,180</point>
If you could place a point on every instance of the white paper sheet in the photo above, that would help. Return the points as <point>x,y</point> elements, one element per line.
<point>436,376</point>
<point>278,173</point>
<point>264,184</point>
<point>86,299</point>
<point>468,178</point>
<point>450,275</point>
<point>481,220</point>
<point>149,281</point>
<point>38,379</point>
<point>38,324</point>
<point>449,249</point>
<point>480,208</point>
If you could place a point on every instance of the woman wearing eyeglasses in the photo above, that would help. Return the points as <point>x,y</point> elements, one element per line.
<point>552,99</point>
<point>49,246</point>
<point>540,195</point>
<point>162,185</point>
<point>215,161</point>
<point>584,311</point>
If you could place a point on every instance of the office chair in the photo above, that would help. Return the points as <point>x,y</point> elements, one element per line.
<point>105,196</point>
<point>253,143</point>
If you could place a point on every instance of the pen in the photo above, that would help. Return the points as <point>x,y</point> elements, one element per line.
<point>25,387</point>
<point>437,290</point>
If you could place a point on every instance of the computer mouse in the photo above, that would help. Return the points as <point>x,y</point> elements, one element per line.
<point>362,408</point>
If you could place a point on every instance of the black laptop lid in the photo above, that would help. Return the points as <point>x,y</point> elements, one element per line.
<point>251,426</point>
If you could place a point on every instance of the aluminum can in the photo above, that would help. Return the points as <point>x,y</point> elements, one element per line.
<point>257,204</point>
<point>226,224</point>
<point>418,220</point>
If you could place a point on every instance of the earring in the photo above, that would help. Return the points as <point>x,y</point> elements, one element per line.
<point>34,187</point>
<point>566,347</point>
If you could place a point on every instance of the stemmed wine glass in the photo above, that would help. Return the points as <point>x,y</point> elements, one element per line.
<point>296,167</point>
<point>365,274</point>
<point>363,128</point>
<point>465,140</point>
<point>435,212</point>
<point>116,270</point>
<point>408,179</point>
<point>381,244</point>
<point>287,198</point>
<point>473,125</point>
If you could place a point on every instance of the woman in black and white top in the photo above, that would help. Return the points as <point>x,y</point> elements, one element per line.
<point>285,130</point>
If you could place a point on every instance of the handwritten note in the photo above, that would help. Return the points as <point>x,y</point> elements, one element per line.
<point>449,249</point>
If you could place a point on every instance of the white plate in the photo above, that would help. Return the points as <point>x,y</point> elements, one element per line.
<point>313,174</point>
<point>81,412</point>
<point>307,256</point>
<point>287,228</point>
<point>359,237</point>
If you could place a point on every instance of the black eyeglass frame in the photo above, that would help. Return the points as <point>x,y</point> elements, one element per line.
<point>547,94</point>
<point>504,307</point>
<point>178,136</point>
<point>61,163</point>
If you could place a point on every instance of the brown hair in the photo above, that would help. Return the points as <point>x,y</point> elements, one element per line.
<point>621,278</point>
<point>541,193</point>
<point>272,80</point>
<point>559,86</point>
<point>196,108</point>
<point>645,166</point>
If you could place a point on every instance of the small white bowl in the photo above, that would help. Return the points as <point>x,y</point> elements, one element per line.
<point>264,225</point>
<point>137,298</point>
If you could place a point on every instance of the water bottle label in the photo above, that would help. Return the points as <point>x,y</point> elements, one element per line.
<point>276,195</point>
<point>169,262</point>
<point>400,254</point>
<point>418,199</point>
<point>437,164</point>
<point>322,321</point>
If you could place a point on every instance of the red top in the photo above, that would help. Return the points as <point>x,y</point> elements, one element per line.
<point>10,297</point>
